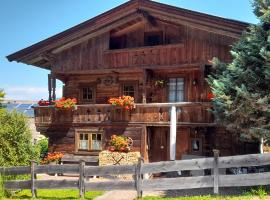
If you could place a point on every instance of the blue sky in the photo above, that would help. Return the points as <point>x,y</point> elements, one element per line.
<point>26,22</point>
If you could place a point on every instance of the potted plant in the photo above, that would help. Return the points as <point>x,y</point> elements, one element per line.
<point>66,104</point>
<point>126,102</point>
<point>43,102</point>
<point>160,83</point>
<point>52,158</point>
<point>120,144</point>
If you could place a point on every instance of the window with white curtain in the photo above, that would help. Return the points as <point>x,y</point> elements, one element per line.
<point>176,89</point>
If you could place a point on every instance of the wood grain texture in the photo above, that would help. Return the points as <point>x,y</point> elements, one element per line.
<point>109,170</point>
<point>62,169</point>
<point>244,179</point>
<point>177,183</point>
<point>17,184</point>
<point>15,170</point>
<point>169,166</point>
<point>111,185</point>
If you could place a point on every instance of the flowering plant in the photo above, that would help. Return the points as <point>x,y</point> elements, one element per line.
<point>120,143</point>
<point>124,101</point>
<point>64,103</point>
<point>51,157</point>
<point>160,83</point>
<point>43,103</point>
<point>210,96</point>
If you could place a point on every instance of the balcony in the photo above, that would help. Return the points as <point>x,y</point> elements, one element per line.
<point>146,56</point>
<point>187,113</point>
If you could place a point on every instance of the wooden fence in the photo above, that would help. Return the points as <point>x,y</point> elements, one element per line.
<point>215,180</point>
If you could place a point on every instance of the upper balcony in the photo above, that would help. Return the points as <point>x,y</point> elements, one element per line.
<point>145,56</point>
<point>187,113</point>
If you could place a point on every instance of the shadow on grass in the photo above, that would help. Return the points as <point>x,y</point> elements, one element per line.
<point>55,194</point>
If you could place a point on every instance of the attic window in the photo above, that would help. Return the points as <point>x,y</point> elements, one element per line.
<point>153,38</point>
<point>118,42</point>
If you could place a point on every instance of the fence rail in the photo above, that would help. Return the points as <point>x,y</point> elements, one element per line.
<point>215,180</point>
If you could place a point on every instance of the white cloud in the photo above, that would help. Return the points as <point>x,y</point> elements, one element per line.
<point>28,92</point>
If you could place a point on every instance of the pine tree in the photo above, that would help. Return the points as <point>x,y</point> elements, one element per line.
<point>242,88</point>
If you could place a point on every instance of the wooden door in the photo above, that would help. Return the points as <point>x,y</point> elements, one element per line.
<point>158,140</point>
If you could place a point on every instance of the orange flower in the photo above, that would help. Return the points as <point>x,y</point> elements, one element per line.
<point>66,103</point>
<point>124,101</point>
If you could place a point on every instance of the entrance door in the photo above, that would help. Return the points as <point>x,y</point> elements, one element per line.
<point>158,140</point>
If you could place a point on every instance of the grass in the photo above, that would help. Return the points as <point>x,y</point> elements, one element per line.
<point>202,198</point>
<point>53,195</point>
<point>254,193</point>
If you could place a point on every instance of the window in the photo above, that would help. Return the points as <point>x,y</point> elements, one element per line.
<point>83,142</point>
<point>89,141</point>
<point>118,42</point>
<point>129,90</point>
<point>196,146</point>
<point>153,38</point>
<point>176,89</point>
<point>87,94</point>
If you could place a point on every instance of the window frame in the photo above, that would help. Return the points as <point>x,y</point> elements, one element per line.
<point>184,88</point>
<point>135,85</point>
<point>85,101</point>
<point>88,132</point>
<point>199,152</point>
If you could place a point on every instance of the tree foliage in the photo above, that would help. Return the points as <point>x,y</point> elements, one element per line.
<point>15,143</point>
<point>242,87</point>
<point>2,95</point>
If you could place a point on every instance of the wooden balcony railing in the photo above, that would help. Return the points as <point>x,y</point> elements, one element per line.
<point>154,113</point>
<point>145,56</point>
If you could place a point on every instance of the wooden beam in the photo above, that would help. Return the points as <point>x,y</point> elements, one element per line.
<point>176,19</point>
<point>128,29</point>
<point>95,33</point>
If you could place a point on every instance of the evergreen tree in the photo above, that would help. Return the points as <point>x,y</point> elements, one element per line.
<point>242,88</point>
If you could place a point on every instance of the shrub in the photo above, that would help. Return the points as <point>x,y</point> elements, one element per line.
<point>16,147</point>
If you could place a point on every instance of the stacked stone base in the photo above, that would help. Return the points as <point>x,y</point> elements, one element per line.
<point>119,158</point>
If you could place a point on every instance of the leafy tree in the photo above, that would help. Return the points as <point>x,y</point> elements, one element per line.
<point>2,95</point>
<point>15,144</point>
<point>242,88</point>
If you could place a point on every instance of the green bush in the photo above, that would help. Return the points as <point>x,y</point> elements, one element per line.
<point>15,144</point>
<point>42,147</point>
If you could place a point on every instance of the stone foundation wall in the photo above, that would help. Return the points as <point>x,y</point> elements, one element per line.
<point>118,158</point>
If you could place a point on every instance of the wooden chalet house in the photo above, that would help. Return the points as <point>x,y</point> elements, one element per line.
<point>156,53</point>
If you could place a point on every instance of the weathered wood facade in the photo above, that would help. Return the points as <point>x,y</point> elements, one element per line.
<point>126,51</point>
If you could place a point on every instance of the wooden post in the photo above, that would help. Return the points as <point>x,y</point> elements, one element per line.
<point>53,88</point>
<point>50,87</point>
<point>173,130</point>
<point>81,179</point>
<point>139,178</point>
<point>33,177</point>
<point>144,86</point>
<point>216,171</point>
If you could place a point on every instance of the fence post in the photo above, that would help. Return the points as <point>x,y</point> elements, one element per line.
<point>81,179</point>
<point>139,177</point>
<point>216,171</point>
<point>33,177</point>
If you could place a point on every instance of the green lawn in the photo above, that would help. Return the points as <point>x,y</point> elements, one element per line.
<point>53,195</point>
<point>245,197</point>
